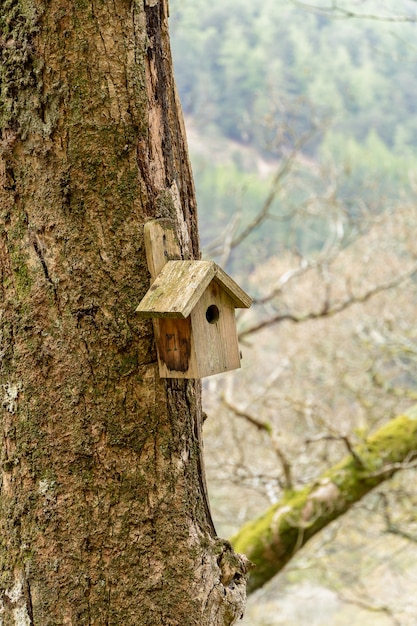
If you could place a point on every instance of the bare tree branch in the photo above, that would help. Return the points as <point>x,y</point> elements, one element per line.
<point>369,605</point>
<point>350,448</point>
<point>284,169</point>
<point>222,244</point>
<point>337,12</point>
<point>288,276</point>
<point>328,309</point>
<point>267,428</point>
<point>391,527</point>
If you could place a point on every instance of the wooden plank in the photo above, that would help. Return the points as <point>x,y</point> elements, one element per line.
<point>215,336</point>
<point>177,289</point>
<point>240,298</point>
<point>161,244</point>
<point>179,286</point>
<point>176,353</point>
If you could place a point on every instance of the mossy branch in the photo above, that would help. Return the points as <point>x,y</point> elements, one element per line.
<point>272,540</point>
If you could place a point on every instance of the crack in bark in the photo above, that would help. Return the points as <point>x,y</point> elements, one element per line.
<point>28,597</point>
<point>84,343</point>
<point>155,18</point>
<point>42,260</point>
<point>39,253</point>
<point>198,425</point>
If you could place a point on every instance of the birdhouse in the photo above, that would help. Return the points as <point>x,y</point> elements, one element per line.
<point>193,306</point>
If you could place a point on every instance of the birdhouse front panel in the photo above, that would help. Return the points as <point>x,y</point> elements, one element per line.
<point>214,332</point>
<point>202,344</point>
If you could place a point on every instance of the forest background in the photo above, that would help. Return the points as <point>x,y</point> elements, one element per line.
<point>303,139</point>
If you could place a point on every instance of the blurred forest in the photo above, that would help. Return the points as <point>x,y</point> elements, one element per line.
<point>265,74</point>
<point>303,138</point>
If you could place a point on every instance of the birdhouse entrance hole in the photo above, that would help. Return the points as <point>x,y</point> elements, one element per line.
<point>212,314</point>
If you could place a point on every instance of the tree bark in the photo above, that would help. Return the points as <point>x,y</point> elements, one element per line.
<point>103,512</point>
<point>272,540</point>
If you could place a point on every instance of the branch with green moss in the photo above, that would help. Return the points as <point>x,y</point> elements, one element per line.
<point>272,540</point>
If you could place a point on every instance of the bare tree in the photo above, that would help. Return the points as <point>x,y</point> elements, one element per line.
<point>329,354</point>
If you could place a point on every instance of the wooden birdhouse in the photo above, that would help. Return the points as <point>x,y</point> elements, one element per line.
<point>193,306</point>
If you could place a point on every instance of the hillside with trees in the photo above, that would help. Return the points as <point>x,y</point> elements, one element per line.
<point>302,130</point>
<point>272,77</point>
<point>237,63</point>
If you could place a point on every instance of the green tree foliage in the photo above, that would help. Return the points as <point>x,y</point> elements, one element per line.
<point>260,74</point>
<point>234,60</point>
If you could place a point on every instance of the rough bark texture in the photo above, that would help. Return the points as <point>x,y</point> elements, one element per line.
<point>103,514</point>
<point>272,540</point>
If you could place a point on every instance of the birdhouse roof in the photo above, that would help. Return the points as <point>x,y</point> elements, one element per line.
<point>180,285</point>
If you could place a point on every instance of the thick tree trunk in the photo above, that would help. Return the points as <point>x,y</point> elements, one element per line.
<point>103,513</point>
<point>272,540</point>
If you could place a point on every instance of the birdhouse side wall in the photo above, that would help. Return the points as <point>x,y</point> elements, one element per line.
<point>214,332</point>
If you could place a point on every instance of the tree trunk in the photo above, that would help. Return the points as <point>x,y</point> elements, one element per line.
<point>272,540</point>
<point>103,512</point>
